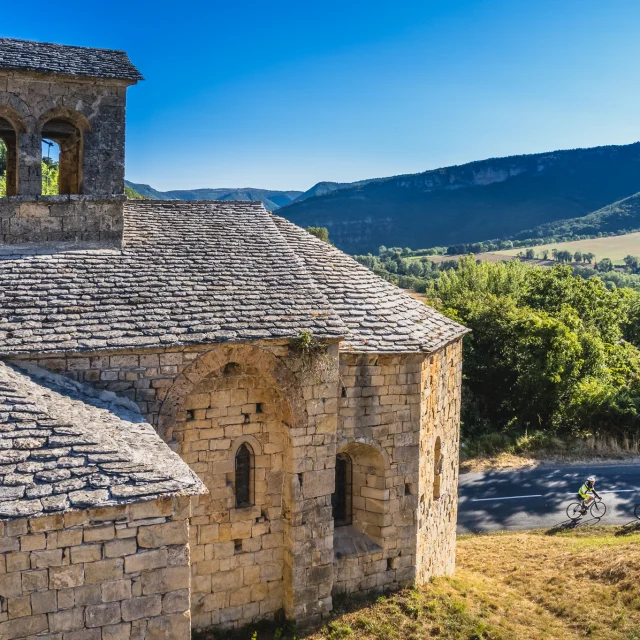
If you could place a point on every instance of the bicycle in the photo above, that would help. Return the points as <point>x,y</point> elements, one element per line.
<point>597,508</point>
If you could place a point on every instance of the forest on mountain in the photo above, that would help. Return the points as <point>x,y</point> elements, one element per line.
<point>504,198</point>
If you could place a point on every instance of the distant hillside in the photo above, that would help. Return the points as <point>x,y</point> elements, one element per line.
<point>495,198</point>
<point>623,215</point>
<point>272,199</point>
<point>323,188</point>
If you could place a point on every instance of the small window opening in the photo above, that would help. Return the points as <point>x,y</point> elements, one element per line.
<point>237,546</point>
<point>190,414</point>
<point>50,168</point>
<point>389,564</point>
<point>61,157</point>
<point>437,469</point>
<point>259,407</point>
<point>344,392</point>
<point>407,489</point>
<point>341,498</point>
<point>244,476</point>
<point>8,159</point>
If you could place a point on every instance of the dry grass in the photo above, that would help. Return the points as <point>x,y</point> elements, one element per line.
<point>583,583</point>
<point>614,247</point>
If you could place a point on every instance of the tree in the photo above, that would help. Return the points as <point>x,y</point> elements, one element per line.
<point>530,254</point>
<point>589,257</point>
<point>577,256</point>
<point>545,254</point>
<point>322,233</point>
<point>554,253</point>
<point>633,263</point>
<point>604,265</point>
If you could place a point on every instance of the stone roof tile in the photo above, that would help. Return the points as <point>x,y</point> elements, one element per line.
<point>380,317</point>
<point>46,57</point>
<point>64,445</point>
<point>189,273</point>
<point>200,272</point>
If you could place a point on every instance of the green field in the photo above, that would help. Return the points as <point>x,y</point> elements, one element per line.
<point>615,247</point>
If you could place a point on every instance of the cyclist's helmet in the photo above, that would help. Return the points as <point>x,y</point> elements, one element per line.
<point>591,480</point>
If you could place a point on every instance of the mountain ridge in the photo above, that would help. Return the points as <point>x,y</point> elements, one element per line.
<point>271,198</point>
<point>476,201</point>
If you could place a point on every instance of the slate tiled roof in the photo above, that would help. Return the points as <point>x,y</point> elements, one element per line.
<point>191,272</point>
<point>65,446</point>
<point>379,316</point>
<point>199,272</point>
<point>47,57</point>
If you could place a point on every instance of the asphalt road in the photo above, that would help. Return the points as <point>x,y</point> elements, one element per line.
<point>536,498</point>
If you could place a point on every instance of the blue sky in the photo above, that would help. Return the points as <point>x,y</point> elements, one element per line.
<point>284,94</point>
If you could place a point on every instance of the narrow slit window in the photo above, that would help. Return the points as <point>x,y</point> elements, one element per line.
<point>244,476</point>
<point>437,469</point>
<point>341,499</point>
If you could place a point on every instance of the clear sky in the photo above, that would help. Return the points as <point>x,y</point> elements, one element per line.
<point>283,94</point>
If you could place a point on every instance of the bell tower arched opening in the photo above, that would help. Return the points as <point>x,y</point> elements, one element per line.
<point>8,159</point>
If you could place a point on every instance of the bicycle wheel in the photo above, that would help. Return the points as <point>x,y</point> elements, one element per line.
<point>636,513</point>
<point>598,509</point>
<point>574,511</point>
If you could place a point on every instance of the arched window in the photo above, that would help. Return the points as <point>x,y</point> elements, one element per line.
<point>64,133</point>
<point>8,159</point>
<point>244,476</point>
<point>437,469</point>
<point>341,499</point>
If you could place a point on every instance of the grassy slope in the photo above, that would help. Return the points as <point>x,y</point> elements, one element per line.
<point>457,205</point>
<point>615,247</point>
<point>581,583</point>
<point>624,214</point>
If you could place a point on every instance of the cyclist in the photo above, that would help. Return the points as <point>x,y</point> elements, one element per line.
<point>586,493</point>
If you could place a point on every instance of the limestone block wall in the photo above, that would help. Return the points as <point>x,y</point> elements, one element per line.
<point>72,218</point>
<point>379,427</point>
<point>296,434</point>
<point>237,552</point>
<point>440,433</point>
<point>96,107</point>
<point>103,574</point>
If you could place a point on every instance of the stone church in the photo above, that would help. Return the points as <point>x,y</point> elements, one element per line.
<point>207,415</point>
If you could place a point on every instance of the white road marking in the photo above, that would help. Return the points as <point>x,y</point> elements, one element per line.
<point>537,495</point>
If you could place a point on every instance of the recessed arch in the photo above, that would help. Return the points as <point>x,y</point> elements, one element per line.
<point>66,128</point>
<point>214,362</point>
<point>11,125</point>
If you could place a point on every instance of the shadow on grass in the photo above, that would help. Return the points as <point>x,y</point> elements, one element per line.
<point>570,525</point>
<point>629,528</point>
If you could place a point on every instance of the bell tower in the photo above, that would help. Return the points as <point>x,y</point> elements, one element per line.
<point>74,97</point>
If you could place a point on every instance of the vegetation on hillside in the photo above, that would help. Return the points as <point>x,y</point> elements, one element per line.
<point>622,216</point>
<point>132,194</point>
<point>549,351</point>
<point>496,198</point>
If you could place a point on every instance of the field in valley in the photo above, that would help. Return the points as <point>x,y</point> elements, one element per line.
<point>614,247</point>
<point>580,583</point>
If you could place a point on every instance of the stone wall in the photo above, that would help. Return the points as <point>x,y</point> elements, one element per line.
<point>379,426</point>
<point>103,574</point>
<point>286,541</point>
<point>384,411</point>
<point>60,219</point>
<point>96,108</point>
<point>437,513</point>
